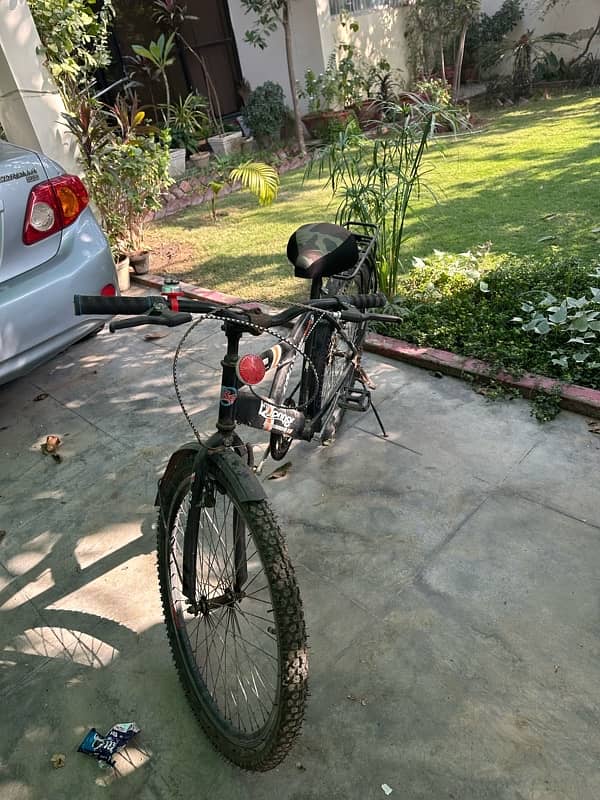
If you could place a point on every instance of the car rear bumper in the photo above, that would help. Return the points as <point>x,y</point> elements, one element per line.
<point>37,318</point>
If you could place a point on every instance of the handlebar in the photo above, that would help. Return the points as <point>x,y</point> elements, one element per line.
<point>158,310</point>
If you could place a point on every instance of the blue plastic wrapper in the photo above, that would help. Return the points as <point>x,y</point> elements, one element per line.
<point>104,747</point>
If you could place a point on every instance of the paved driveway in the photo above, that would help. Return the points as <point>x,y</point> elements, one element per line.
<point>449,575</point>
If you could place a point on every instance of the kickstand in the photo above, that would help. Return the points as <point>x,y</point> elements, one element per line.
<point>377,417</point>
<point>261,463</point>
<point>367,384</point>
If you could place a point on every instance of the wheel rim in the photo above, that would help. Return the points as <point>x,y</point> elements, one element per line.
<point>230,640</point>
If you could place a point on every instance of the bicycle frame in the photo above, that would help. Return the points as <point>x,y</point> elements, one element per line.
<point>262,413</point>
<point>257,412</point>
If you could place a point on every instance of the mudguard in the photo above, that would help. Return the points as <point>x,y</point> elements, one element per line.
<point>240,483</point>
<point>235,474</point>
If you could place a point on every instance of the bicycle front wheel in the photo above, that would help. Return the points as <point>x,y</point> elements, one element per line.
<point>240,649</point>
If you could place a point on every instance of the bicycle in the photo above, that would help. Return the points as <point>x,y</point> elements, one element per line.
<point>230,598</point>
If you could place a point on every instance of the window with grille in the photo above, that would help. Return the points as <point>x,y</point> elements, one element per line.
<point>337,6</point>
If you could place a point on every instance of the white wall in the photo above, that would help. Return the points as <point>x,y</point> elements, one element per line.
<point>30,106</point>
<point>380,35</point>
<point>270,64</point>
<point>569,16</point>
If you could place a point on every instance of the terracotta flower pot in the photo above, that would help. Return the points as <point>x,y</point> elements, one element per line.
<point>318,122</point>
<point>369,114</point>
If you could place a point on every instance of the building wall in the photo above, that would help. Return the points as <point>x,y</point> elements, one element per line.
<point>380,35</point>
<point>316,36</point>
<point>270,64</point>
<point>569,16</point>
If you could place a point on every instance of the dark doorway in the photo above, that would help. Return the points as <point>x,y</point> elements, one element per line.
<point>210,36</point>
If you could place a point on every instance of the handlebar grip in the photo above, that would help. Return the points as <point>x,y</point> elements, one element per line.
<point>97,304</point>
<point>362,301</point>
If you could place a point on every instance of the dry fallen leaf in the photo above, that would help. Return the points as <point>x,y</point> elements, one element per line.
<point>41,396</point>
<point>58,760</point>
<point>594,426</point>
<point>280,472</point>
<point>149,337</point>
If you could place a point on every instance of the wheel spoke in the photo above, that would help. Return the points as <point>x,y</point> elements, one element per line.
<point>231,645</point>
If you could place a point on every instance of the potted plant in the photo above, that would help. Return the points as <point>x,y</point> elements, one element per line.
<point>160,55</point>
<point>189,122</point>
<point>126,169</point>
<point>265,113</point>
<point>325,95</point>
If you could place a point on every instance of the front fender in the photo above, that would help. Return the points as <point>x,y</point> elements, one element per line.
<point>233,471</point>
<point>194,448</point>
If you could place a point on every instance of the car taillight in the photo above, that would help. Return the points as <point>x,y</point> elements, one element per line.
<point>52,206</point>
<point>109,290</point>
<point>250,369</point>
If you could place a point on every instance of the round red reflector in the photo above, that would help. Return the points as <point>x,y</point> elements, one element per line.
<point>250,369</point>
<point>108,290</point>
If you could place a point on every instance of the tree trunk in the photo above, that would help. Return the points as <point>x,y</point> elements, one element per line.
<point>587,47</point>
<point>443,58</point>
<point>292,75</point>
<point>459,60</point>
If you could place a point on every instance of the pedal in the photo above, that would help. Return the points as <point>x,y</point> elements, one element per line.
<point>356,399</point>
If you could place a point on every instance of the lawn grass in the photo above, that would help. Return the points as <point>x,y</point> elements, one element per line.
<point>528,184</point>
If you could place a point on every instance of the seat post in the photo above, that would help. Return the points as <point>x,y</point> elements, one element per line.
<point>315,288</point>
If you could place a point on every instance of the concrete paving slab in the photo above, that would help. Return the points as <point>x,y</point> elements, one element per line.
<point>452,427</point>
<point>448,580</point>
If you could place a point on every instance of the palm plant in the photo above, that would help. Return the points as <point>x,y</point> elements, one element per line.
<point>526,51</point>
<point>259,178</point>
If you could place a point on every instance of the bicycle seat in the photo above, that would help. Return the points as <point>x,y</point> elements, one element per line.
<point>320,249</point>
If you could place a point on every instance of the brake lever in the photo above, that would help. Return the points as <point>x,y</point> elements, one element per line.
<point>384,318</point>
<point>168,318</point>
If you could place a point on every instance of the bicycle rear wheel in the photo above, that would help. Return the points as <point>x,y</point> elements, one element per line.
<point>335,353</point>
<point>241,651</point>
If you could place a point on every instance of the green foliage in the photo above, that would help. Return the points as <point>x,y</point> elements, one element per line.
<point>126,182</point>
<point>261,179</point>
<point>190,121</point>
<point>466,303</point>
<point>573,322</point>
<point>126,166</point>
<point>436,90</point>
<point>268,18</point>
<point>373,180</point>
<point>486,35</point>
<point>160,55</point>
<point>74,36</point>
<point>526,52</point>
<point>545,406</point>
<point>432,26</point>
<point>265,111</point>
<point>323,92</point>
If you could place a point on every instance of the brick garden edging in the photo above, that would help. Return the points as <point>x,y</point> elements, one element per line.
<point>575,398</point>
<point>194,190</point>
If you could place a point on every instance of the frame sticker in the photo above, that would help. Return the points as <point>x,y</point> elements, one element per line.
<point>229,395</point>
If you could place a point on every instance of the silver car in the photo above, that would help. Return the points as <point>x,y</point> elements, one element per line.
<point>51,247</point>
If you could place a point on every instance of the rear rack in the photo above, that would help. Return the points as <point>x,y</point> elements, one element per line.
<point>367,248</point>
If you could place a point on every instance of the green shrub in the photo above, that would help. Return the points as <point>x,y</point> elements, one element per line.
<point>467,303</point>
<point>265,111</point>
